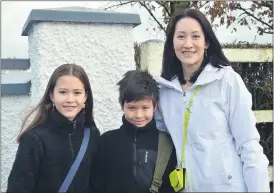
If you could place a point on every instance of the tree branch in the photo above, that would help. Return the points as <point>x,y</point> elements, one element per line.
<point>243,20</point>
<point>251,15</point>
<point>120,4</point>
<point>264,4</point>
<point>267,31</point>
<point>149,11</point>
<point>161,3</point>
<point>202,5</point>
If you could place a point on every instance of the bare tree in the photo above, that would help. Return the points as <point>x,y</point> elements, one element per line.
<point>258,14</point>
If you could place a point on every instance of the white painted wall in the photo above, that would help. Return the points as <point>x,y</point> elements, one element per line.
<point>151,56</point>
<point>13,109</point>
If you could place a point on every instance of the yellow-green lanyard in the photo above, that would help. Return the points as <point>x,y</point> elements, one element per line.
<point>186,119</point>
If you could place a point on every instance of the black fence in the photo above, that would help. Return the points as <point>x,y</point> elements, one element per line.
<point>258,77</point>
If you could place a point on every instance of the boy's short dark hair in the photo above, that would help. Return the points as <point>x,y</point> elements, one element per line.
<point>137,85</point>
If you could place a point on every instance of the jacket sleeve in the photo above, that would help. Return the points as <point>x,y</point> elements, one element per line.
<point>242,123</point>
<point>98,169</point>
<point>25,168</point>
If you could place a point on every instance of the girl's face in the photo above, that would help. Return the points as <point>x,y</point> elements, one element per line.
<point>69,96</point>
<point>189,42</point>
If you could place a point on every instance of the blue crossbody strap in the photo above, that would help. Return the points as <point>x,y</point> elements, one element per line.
<point>64,187</point>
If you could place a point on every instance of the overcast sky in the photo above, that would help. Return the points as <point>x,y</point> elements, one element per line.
<point>15,13</point>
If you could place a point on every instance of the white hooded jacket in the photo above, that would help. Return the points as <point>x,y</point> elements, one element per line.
<point>222,153</point>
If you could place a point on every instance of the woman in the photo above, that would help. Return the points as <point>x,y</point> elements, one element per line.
<point>206,108</point>
<point>63,124</point>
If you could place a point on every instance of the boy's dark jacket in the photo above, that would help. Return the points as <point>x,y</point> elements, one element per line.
<point>46,153</point>
<point>126,159</point>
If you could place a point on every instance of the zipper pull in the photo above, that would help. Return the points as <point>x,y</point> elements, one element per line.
<point>135,137</point>
<point>74,125</point>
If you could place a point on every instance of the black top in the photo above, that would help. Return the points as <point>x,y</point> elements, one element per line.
<point>126,159</point>
<point>46,153</point>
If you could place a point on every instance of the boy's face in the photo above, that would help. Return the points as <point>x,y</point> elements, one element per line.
<point>139,113</point>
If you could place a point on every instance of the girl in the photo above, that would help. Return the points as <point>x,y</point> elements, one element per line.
<point>206,108</point>
<point>51,142</point>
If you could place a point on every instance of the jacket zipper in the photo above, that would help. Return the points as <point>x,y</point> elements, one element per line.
<point>134,158</point>
<point>70,141</point>
<point>72,151</point>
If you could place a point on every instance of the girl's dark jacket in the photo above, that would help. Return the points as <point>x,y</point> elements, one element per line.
<point>46,153</point>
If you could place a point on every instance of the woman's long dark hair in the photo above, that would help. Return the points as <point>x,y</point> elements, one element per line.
<point>172,66</point>
<point>43,107</point>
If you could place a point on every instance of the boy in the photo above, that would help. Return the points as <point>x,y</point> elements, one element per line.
<point>126,158</point>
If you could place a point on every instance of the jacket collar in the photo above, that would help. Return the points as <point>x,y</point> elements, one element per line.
<point>62,123</point>
<point>208,75</point>
<point>132,128</point>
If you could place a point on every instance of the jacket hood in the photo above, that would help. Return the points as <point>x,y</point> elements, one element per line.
<point>208,75</point>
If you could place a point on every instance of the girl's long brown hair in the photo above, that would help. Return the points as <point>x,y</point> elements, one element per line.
<point>42,108</point>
